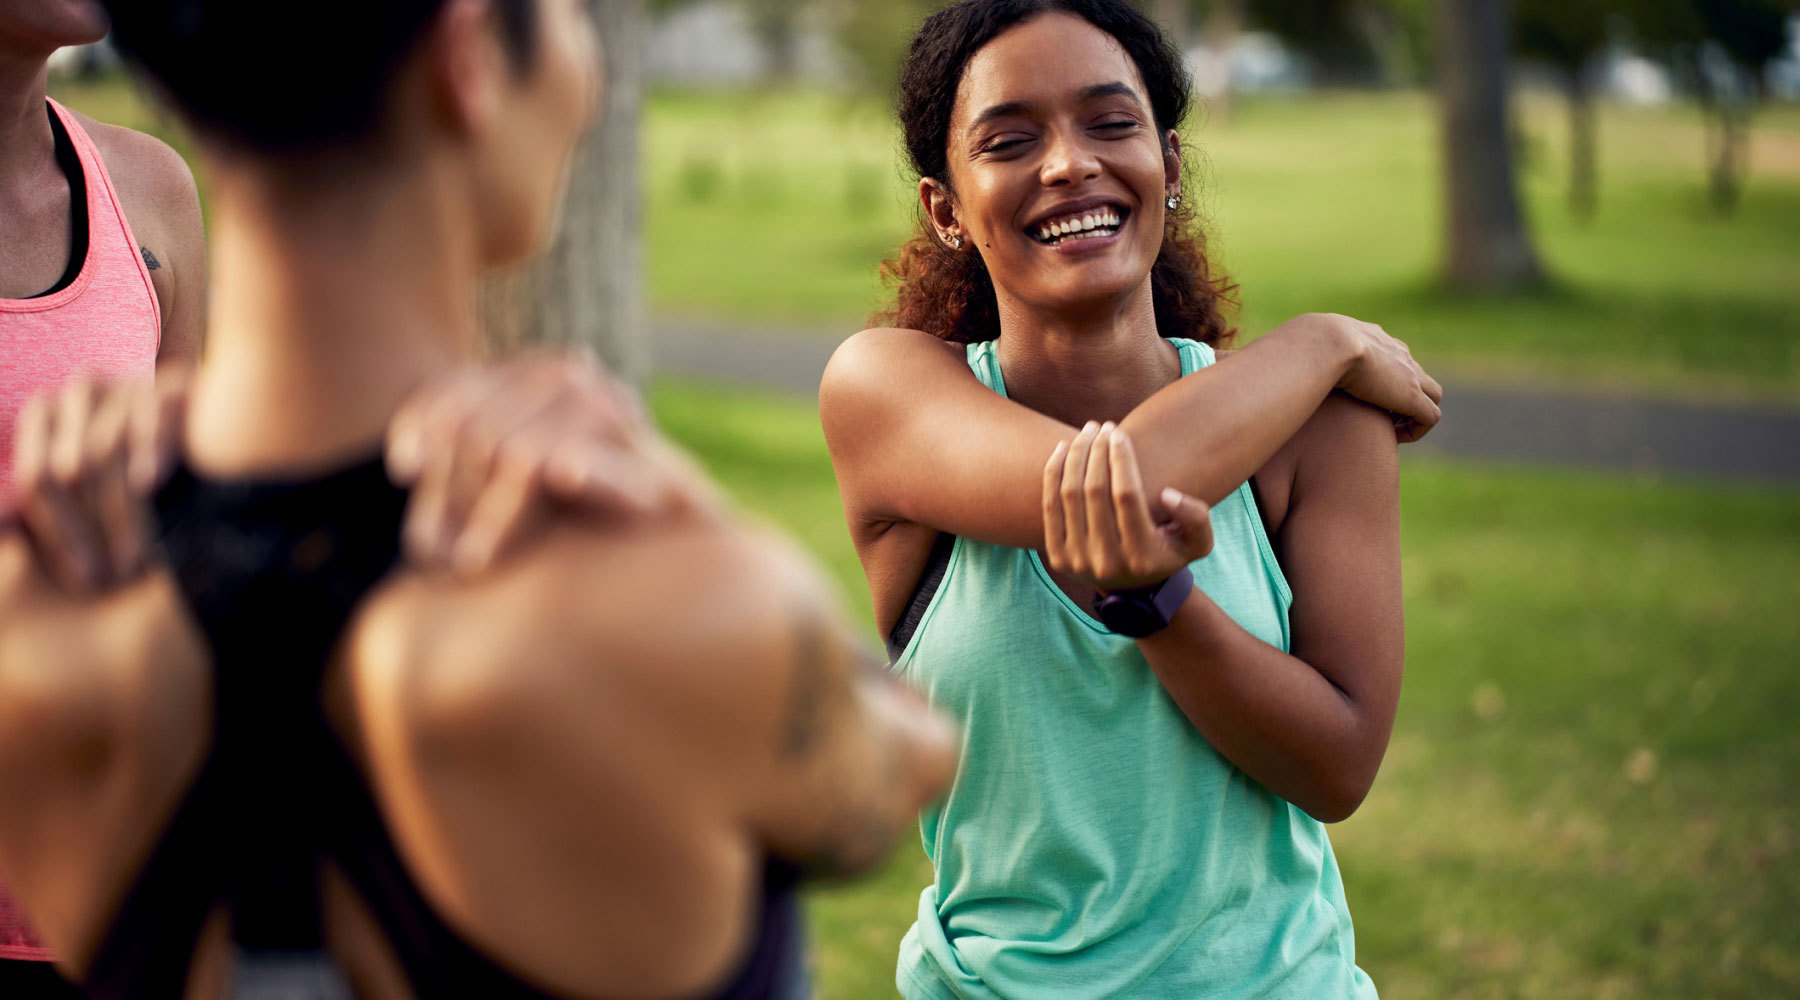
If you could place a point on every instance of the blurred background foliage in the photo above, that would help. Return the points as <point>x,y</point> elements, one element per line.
<point>1590,791</point>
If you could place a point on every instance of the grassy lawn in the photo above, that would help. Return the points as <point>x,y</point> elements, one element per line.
<point>1589,792</point>
<point>774,210</point>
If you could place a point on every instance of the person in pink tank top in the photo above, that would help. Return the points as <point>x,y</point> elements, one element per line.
<point>102,276</point>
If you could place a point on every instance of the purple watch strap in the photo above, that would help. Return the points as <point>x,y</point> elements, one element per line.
<point>1145,611</point>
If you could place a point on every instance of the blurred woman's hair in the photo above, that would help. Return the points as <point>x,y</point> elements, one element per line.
<point>281,78</point>
<point>949,293</point>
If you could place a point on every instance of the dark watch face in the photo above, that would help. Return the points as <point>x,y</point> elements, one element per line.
<point>1136,619</point>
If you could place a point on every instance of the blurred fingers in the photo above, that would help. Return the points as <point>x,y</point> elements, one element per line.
<point>106,485</point>
<point>46,499</point>
<point>156,428</point>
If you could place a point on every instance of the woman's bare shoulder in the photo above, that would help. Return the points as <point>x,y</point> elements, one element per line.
<point>648,616</point>
<point>880,359</point>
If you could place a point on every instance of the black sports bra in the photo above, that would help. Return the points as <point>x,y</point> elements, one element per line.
<point>273,572</point>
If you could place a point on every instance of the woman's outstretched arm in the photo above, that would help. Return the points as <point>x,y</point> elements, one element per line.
<point>915,437</point>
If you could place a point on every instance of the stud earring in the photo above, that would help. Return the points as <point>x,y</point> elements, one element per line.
<point>954,240</point>
<point>1173,201</point>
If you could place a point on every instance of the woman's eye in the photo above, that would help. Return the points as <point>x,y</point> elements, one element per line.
<point>1002,145</point>
<point>1118,126</point>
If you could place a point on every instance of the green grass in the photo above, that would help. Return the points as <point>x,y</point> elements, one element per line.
<point>1589,791</point>
<point>773,211</point>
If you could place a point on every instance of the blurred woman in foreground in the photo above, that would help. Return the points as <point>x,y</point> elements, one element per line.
<point>287,763</point>
<point>1036,461</point>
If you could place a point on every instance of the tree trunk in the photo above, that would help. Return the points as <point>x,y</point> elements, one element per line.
<point>589,288</point>
<point>1224,23</point>
<point>1584,190</point>
<point>1487,247</point>
<point>776,25</point>
<point>1727,156</point>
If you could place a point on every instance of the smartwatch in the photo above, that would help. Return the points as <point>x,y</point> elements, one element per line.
<point>1144,611</point>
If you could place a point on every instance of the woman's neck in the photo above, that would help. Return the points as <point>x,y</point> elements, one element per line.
<point>26,142</point>
<point>1081,365</point>
<point>329,306</point>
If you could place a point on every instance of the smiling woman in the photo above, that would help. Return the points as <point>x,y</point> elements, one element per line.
<point>952,293</point>
<point>1172,636</point>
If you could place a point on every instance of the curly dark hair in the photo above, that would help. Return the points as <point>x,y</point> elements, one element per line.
<point>950,294</point>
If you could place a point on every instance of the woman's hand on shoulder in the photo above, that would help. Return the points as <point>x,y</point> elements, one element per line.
<point>1382,371</point>
<point>489,452</point>
<point>1099,525</point>
<point>85,463</point>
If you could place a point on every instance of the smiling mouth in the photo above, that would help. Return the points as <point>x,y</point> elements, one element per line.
<point>1096,224</point>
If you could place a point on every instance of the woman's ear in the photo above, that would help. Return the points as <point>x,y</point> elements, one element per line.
<point>940,207</point>
<point>465,65</point>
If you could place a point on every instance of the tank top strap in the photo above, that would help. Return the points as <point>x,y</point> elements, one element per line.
<point>112,246</point>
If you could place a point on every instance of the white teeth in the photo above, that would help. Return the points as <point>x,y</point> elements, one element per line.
<point>1104,222</point>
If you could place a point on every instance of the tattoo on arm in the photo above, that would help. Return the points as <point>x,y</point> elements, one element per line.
<point>812,678</point>
<point>854,773</point>
<point>150,260</point>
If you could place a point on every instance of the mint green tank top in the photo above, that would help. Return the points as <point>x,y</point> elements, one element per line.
<point>1094,844</point>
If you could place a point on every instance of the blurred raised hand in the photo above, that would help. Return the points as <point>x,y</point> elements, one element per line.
<point>489,451</point>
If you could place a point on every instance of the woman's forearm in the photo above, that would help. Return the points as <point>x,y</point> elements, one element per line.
<point>1208,433</point>
<point>890,399</point>
<point>1273,715</point>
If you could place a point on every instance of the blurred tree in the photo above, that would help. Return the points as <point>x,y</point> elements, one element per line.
<point>1223,25</point>
<point>1176,18</point>
<point>776,25</point>
<point>875,35</point>
<point>1568,35</point>
<point>588,289</point>
<point>1487,246</point>
<point>1347,42</point>
<point>1721,48</point>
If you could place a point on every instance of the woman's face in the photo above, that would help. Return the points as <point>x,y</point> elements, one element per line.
<point>1057,172</point>
<point>531,145</point>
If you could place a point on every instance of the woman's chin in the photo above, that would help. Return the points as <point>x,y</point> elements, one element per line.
<point>1094,286</point>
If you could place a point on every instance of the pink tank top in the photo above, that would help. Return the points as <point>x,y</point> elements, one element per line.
<point>106,324</point>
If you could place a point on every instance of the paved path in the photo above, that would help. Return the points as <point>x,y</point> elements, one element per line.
<point>1484,421</point>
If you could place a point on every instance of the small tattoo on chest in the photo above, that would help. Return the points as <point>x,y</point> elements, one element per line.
<point>150,260</point>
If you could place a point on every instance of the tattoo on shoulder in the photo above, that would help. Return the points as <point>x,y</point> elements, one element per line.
<point>150,260</point>
<point>812,680</point>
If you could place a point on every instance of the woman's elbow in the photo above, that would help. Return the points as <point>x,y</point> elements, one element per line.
<point>1339,792</point>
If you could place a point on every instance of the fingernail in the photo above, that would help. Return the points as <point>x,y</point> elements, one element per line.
<point>1171,496</point>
